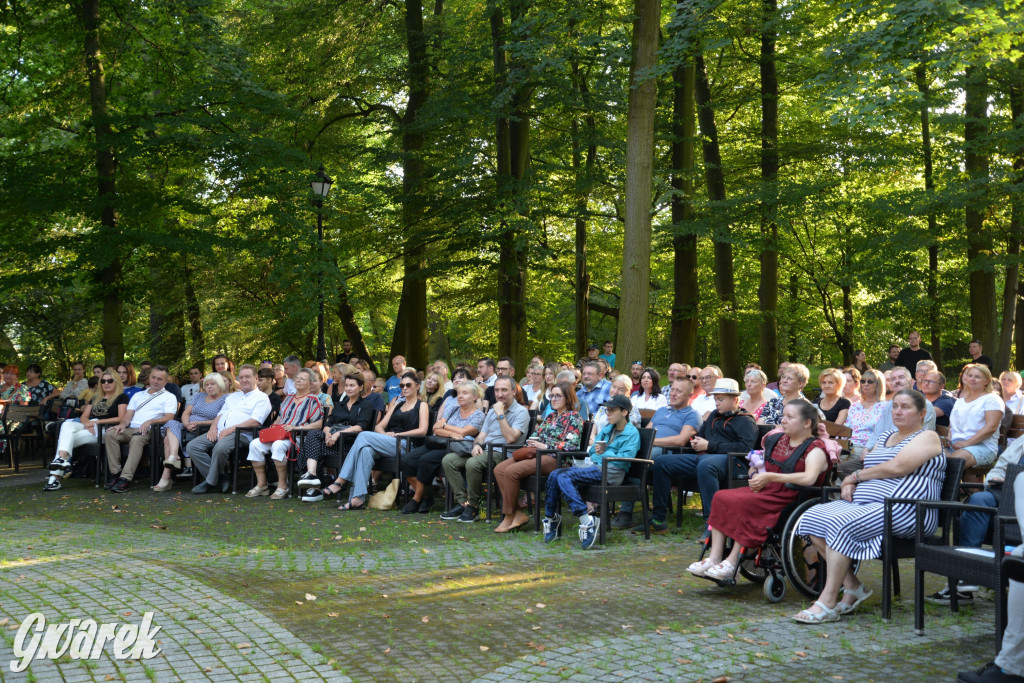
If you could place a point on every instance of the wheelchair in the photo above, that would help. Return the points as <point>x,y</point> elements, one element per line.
<point>785,556</point>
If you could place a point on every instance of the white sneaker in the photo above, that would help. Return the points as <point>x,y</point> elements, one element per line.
<point>308,479</point>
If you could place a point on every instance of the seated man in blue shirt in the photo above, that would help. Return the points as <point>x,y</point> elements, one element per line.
<point>933,386</point>
<point>618,439</point>
<point>674,425</point>
<point>728,429</point>
<point>593,388</point>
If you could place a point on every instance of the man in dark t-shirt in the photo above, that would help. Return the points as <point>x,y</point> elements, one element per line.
<point>346,354</point>
<point>910,356</point>
<point>974,348</point>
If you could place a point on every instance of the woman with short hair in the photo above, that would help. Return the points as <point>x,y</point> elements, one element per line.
<point>300,411</point>
<point>756,384</point>
<point>199,414</point>
<point>833,406</point>
<point>863,415</point>
<point>792,381</point>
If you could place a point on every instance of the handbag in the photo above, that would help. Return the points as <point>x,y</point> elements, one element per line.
<point>273,433</point>
<point>524,453</point>
<point>436,442</point>
<point>384,499</point>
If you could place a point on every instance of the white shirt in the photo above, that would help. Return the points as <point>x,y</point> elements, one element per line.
<point>190,390</point>
<point>967,419</point>
<point>489,382</point>
<point>239,407</point>
<point>643,402</point>
<point>289,386</point>
<point>703,404</point>
<point>156,406</point>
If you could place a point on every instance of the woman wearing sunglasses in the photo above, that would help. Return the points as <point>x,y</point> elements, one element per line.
<point>407,415</point>
<point>108,406</point>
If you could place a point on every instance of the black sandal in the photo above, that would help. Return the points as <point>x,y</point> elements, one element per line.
<point>349,507</point>
<point>328,492</point>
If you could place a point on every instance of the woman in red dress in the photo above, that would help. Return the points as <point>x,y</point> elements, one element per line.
<point>745,515</point>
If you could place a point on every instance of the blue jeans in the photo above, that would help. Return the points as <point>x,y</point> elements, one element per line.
<point>709,469</point>
<point>565,482</point>
<point>974,526</point>
<point>367,448</point>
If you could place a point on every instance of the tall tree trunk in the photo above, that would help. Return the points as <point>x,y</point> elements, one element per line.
<point>725,284</point>
<point>410,337</point>
<point>580,223</point>
<point>979,241</point>
<point>513,159</point>
<point>7,348</point>
<point>352,331</point>
<point>794,289</point>
<point>192,313</point>
<point>108,273</point>
<point>768,290</point>
<point>438,339</point>
<point>1011,300</point>
<point>923,86</point>
<point>686,291</point>
<point>636,246</point>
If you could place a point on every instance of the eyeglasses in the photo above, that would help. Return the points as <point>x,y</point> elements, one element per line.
<point>694,376</point>
<point>406,385</point>
<point>867,381</point>
<point>554,396</point>
<point>106,381</point>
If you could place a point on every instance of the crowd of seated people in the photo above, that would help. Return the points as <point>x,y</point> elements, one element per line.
<point>698,416</point>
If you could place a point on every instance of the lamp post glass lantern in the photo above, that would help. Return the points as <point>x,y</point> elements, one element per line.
<point>321,185</point>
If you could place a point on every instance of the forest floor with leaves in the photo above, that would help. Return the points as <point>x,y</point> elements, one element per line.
<point>253,589</point>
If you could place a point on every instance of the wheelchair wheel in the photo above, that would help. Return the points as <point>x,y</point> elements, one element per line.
<point>774,588</point>
<point>751,572</point>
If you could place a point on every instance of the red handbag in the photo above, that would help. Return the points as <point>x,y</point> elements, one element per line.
<point>273,433</point>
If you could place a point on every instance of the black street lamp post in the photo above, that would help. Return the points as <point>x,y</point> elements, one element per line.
<point>321,185</point>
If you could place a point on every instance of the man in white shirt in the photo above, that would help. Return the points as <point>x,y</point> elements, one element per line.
<point>147,410</point>
<point>292,364</point>
<point>706,402</point>
<point>195,374</point>
<point>247,407</point>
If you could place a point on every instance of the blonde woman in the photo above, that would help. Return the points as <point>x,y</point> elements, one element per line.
<point>199,414</point>
<point>863,415</point>
<point>831,403</point>
<point>792,381</point>
<point>974,422</point>
<point>432,390</point>
<point>108,406</point>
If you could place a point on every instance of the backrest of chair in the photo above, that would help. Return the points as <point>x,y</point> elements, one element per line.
<point>837,430</point>
<point>1016,427</point>
<point>637,470</point>
<point>951,484</point>
<point>762,431</point>
<point>16,413</point>
<point>1007,504</point>
<point>645,416</point>
<point>588,426</point>
<point>532,425</point>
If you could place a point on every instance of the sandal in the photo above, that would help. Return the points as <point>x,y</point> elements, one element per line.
<point>722,571</point>
<point>164,485</point>
<point>173,464</point>
<point>332,490</point>
<point>825,616</point>
<point>256,491</point>
<point>279,494</point>
<point>700,566</point>
<point>859,593</point>
<point>349,507</point>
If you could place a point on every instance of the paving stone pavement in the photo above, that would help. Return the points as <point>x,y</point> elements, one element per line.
<point>86,570</point>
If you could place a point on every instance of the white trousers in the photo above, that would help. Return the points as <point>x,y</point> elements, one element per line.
<point>72,435</point>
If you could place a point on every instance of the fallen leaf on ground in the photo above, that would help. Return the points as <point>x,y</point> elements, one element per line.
<point>243,645</point>
<point>425,619</point>
<point>332,614</point>
<point>387,651</point>
<point>484,648</point>
<point>798,653</point>
<point>299,602</point>
<point>541,605</point>
<point>310,596</point>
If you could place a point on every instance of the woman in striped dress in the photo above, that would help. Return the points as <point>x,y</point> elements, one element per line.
<point>301,411</point>
<point>906,463</point>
